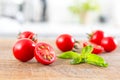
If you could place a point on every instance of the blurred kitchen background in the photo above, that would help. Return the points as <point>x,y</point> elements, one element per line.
<point>49,18</point>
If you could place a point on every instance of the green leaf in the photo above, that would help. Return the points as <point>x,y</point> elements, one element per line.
<point>87,50</point>
<point>77,60</point>
<point>86,56</point>
<point>68,55</point>
<point>83,7</point>
<point>74,9</point>
<point>96,60</point>
<point>82,57</point>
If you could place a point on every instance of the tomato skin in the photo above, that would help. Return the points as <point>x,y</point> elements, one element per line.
<point>28,34</point>
<point>97,49</point>
<point>23,49</point>
<point>109,44</point>
<point>65,42</point>
<point>96,37</point>
<point>42,53</point>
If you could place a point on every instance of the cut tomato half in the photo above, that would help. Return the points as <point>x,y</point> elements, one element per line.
<point>44,53</point>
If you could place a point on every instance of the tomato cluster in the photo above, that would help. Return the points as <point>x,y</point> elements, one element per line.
<point>100,43</point>
<point>27,47</point>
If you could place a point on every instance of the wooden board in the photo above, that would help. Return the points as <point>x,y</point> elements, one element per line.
<point>12,69</point>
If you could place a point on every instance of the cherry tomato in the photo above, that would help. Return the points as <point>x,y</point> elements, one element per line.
<point>28,34</point>
<point>44,53</point>
<point>109,44</point>
<point>96,37</point>
<point>23,49</point>
<point>65,42</point>
<point>97,49</point>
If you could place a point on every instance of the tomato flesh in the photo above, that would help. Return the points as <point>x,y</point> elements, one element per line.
<point>97,49</point>
<point>44,53</point>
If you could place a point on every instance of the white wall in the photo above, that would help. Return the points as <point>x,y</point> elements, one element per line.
<point>58,11</point>
<point>116,12</point>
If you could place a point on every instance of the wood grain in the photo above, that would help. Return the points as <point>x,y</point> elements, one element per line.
<point>12,69</point>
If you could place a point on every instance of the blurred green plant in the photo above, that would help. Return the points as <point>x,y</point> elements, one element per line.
<point>81,8</point>
<point>88,5</point>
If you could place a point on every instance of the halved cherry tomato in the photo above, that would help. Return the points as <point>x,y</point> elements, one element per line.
<point>65,42</point>
<point>44,53</point>
<point>96,37</point>
<point>23,49</point>
<point>109,44</point>
<point>97,49</point>
<point>28,34</point>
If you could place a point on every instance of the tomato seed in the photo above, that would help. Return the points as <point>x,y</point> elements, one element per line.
<point>48,57</point>
<point>44,57</point>
<point>39,48</point>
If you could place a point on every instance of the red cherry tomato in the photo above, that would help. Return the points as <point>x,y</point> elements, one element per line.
<point>109,44</point>
<point>23,49</point>
<point>96,37</point>
<point>28,34</point>
<point>65,42</point>
<point>97,49</point>
<point>44,53</point>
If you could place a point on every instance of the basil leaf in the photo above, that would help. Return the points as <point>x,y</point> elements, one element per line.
<point>96,60</point>
<point>87,50</point>
<point>68,55</point>
<point>77,60</point>
<point>86,56</point>
<point>82,57</point>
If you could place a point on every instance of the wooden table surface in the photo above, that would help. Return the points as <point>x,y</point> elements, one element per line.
<point>12,69</point>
